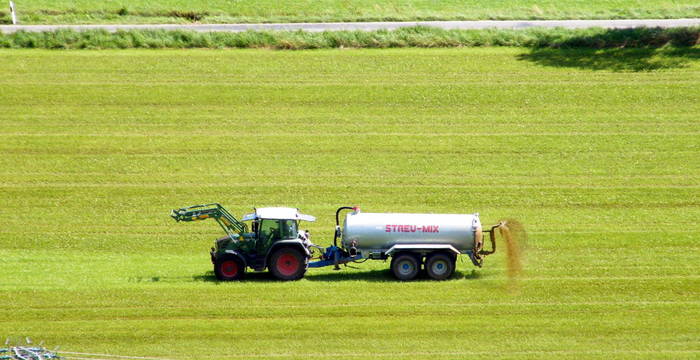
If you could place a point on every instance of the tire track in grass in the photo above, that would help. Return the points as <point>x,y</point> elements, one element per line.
<point>430,305</point>
<point>457,353</point>
<point>106,356</point>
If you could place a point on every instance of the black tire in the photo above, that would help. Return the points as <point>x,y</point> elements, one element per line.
<point>288,264</point>
<point>440,266</point>
<point>405,267</point>
<point>229,268</point>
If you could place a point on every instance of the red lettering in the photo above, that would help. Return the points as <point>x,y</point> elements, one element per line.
<point>427,228</point>
<point>411,228</point>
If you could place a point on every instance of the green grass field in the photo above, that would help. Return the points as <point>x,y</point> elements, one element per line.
<point>227,11</point>
<point>600,161</point>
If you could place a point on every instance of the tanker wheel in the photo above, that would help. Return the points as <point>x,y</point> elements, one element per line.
<point>288,264</point>
<point>229,267</point>
<point>440,266</point>
<point>405,267</point>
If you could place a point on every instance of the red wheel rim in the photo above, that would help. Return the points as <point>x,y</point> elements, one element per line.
<point>229,268</point>
<point>287,264</point>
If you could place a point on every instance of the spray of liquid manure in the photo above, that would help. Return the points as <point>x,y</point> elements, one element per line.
<point>515,237</point>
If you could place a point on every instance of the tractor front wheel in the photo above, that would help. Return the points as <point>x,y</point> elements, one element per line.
<point>228,268</point>
<point>288,264</point>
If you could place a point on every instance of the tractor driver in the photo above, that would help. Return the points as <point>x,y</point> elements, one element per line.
<point>269,231</point>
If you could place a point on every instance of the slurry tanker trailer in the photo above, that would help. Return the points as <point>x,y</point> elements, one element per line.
<point>270,238</point>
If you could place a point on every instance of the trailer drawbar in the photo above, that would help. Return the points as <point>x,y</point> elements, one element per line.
<point>270,238</point>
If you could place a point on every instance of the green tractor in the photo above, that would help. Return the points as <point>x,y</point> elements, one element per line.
<point>267,238</point>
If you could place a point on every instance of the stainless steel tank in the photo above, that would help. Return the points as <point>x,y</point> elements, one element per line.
<point>380,231</point>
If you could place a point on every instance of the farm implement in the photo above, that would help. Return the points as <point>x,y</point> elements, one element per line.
<point>270,238</point>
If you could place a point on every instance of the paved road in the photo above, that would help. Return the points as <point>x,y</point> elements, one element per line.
<point>369,26</point>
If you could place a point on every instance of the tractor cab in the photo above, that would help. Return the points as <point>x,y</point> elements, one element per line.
<point>272,224</point>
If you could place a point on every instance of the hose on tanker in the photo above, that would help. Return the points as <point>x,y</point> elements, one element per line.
<point>337,223</point>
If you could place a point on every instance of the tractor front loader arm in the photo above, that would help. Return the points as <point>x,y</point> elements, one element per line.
<point>228,222</point>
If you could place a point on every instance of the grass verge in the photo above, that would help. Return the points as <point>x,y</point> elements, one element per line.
<point>423,37</point>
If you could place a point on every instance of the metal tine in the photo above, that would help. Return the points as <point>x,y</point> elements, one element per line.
<point>19,353</point>
<point>34,354</point>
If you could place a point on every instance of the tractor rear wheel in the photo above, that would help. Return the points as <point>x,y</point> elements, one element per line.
<point>229,267</point>
<point>405,266</point>
<point>440,266</point>
<point>288,264</point>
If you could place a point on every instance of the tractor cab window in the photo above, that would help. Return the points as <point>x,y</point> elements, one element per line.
<point>273,230</point>
<point>269,231</point>
<point>289,229</point>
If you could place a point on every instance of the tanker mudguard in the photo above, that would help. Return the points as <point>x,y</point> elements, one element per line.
<point>421,248</point>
